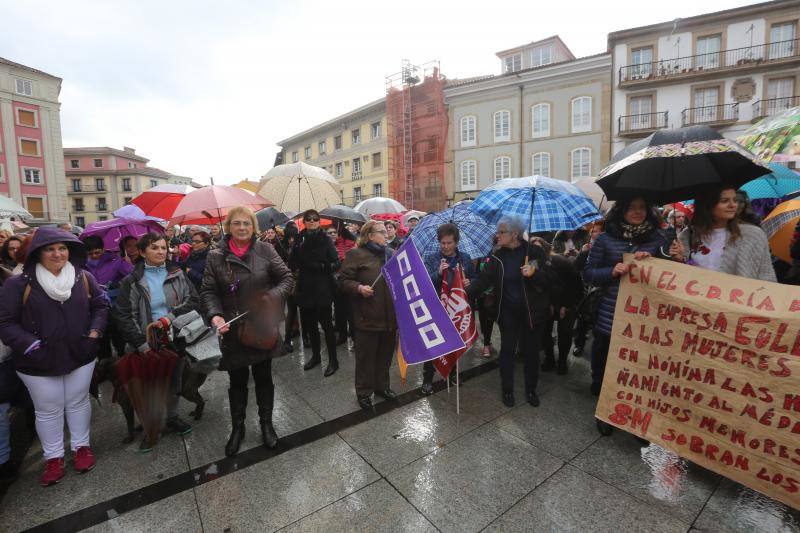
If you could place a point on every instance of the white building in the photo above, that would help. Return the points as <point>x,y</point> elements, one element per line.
<point>726,69</point>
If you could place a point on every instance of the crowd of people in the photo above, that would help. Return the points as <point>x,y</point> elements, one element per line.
<point>66,302</point>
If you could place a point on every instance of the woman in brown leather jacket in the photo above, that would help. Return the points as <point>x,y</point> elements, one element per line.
<point>373,312</point>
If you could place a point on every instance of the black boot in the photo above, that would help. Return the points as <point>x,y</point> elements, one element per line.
<point>333,364</point>
<point>265,397</point>
<point>314,361</point>
<point>238,403</point>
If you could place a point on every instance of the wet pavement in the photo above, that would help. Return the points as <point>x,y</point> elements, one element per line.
<point>414,465</point>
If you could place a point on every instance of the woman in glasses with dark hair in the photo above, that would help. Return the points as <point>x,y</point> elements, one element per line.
<point>315,259</point>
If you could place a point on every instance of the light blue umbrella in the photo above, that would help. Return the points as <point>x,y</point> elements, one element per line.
<point>475,234</point>
<point>779,183</point>
<point>542,204</point>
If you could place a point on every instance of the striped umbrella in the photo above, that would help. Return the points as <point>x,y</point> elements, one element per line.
<point>779,226</point>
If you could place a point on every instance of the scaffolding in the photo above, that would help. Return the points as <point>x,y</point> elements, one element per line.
<point>417,132</point>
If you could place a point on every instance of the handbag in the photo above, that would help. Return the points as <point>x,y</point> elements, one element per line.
<point>259,328</point>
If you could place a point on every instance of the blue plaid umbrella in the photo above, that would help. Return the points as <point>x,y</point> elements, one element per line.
<point>545,204</point>
<point>779,183</point>
<point>475,234</point>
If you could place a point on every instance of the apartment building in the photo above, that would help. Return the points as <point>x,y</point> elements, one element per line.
<point>726,69</point>
<point>102,179</point>
<point>546,114</point>
<point>352,147</point>
<point>31,164</point>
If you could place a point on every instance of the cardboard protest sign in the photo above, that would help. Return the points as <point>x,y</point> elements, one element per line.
<point>708,365</point>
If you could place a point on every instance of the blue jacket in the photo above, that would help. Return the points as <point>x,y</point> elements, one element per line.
<point>606,252</point>
<point>432,266</point>
<point>194,266</point>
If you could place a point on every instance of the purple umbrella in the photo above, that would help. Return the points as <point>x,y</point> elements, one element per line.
<point>114,230</point>
<point>135,212</point>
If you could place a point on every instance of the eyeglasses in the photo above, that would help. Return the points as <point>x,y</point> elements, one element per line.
<point>312,219</point>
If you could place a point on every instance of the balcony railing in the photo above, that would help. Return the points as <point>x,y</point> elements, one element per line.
<point>782,51</point>
<point>356,175</point>
<point>642,123</point>
<point>772,106</point>
<point>102,207</point>
<point>710,115</point>
<point>78,207</point>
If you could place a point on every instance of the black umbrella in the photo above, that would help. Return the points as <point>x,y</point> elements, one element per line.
<point>268,217</point>
<point>343,213</point>
<point>670,165</point>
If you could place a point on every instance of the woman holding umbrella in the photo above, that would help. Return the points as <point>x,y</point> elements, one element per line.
<point>52,317</point>
<point>152,296</point>
<point>240,272</point>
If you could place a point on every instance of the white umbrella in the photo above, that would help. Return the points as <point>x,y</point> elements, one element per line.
<point>9,208</point>
<point>379,205</point>
<point>412,213</point>
<point>590,187</point>
<point>298,187</point>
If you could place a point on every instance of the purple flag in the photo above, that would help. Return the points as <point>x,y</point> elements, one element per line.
<point>426,330</point>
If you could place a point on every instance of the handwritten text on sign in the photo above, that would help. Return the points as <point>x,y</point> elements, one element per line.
<point>708,365</point>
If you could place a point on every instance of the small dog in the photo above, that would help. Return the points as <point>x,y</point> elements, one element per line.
<point>106,370</point>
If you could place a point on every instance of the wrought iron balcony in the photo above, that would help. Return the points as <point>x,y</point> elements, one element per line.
<point>712,115</point>
<point>642,124</point>
<point>733,59</point>
<point>78,207</point>
<point>772,106</point>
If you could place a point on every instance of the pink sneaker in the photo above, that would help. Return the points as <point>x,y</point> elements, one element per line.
<point>486,352</point>
<point>84,459</point>
<point>53,471</point>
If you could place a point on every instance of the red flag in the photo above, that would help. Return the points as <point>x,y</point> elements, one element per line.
<point>455,301</point>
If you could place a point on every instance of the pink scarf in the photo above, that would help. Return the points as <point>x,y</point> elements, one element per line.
<point>238,251</point>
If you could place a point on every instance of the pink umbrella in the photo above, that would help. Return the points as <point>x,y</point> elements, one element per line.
<point>161,200</point>
<point>114,230</point>
<point>209,205</point>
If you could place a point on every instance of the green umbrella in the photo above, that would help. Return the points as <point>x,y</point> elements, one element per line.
<point>775,137</point>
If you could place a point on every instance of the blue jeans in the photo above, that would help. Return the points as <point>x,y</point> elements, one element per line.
<point>5,433</point>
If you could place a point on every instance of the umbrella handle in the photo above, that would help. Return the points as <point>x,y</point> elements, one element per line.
<point>152,337</point>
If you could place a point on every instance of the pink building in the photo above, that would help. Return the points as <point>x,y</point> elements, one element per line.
<point>31,155</point>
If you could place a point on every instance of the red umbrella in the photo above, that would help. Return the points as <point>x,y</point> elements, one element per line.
<point>161,200</point>
<point>209,205</point>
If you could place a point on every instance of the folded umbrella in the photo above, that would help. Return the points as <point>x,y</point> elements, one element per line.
<point>475,234</point>
<point>210,205</point>
<point>670,165</point>
<point>115,230</point>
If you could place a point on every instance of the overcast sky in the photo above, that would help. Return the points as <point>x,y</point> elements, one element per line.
<point>207,88</point>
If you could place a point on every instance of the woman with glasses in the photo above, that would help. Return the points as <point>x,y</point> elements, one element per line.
<point>373,311</point>
<point>239,273</point>
<point>315,259</point>
<point>195,263</point>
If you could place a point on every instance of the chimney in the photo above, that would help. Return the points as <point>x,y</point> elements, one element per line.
<point>129,150</point>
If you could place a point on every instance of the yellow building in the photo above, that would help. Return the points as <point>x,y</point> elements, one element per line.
<point>247,185</point>
<point>352,147</point>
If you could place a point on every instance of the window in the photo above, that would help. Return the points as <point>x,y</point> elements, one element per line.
<point>131,165</point>
<point>98,163</point>
<point>356,136</point>
<point>642,62</point>
<point>153,183</point>
<point>512,63</point>
<point>375,127</point>
<point>377,160</point>
<point>74,163</point>
<point>76,185</point>
<point>321,147</point>
<point>128,199</point>
<point>337,142</point>
<point>80,221</point>
<point>469,175</point>
<point>706,102</point>
<point>357,168</point>
<point>542,56</point>
<point>641,109</point>
<point>581,163</point>
<point>79,204</point>
<point>502,168</point>
<point>502,126</point>
<point>357,194</point>
<point>781,37</point>
<point>779,93</point>
<point>102,218</point>
<point>540,164</point>
<point>27,117</point>
<point>377,189</point>
<point>338,172</point>
<point>540,120</point>
<point>708,51</point>
<point>35,206</point>
<point>2,174</point>
<point>29,147</point>
<point>100,184</point>
<point>307,152</point>
<point>126,184</point>
<point>295,157</point>
<point>32,176</point>
<point>582,114</point>
<point>468,131</point>
<point>24,87</point>
<point>101,204</point>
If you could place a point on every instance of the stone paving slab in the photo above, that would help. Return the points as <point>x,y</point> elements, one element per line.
<point>176,514</point>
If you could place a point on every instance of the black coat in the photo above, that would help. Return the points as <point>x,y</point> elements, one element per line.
<point>315,259</point>
<point>570,281</point>
<point>195,265</point>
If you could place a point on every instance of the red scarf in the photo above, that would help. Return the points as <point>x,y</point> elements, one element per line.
<point>238,251</point>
